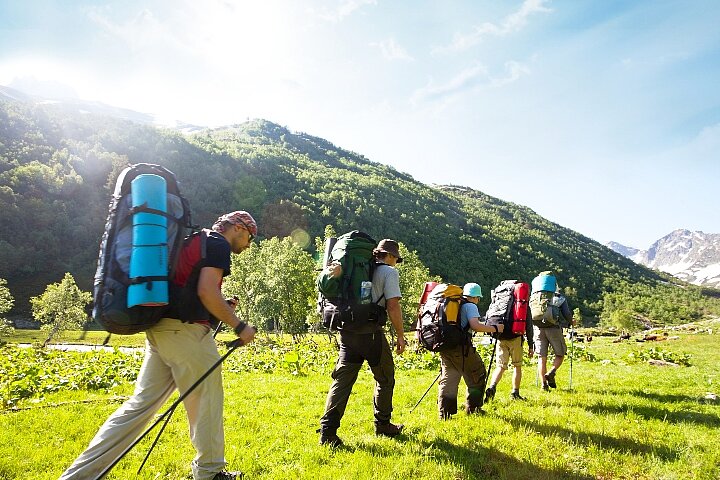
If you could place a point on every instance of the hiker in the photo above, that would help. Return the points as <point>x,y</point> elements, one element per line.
<point>463,361</point>
<point>551,313</point>
<point>367,342</point>
<point>510,351</point>
<point>177,354</point>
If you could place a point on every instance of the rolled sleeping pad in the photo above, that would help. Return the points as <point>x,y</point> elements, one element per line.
<point>329,245</point>
<point>427,289</point>
<point>544,283</point>
<point>149,256</point>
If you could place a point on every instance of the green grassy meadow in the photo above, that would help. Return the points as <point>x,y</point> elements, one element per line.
<point>623,419</point>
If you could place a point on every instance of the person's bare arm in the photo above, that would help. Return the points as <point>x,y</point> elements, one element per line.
<point>476,325</point>
<point>212,299</point>
<point>392,305</point>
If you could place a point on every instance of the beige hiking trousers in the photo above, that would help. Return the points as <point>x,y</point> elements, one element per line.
<point>176,355</point>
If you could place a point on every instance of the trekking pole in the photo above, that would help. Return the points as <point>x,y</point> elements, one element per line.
<point>426,392</point>
<point>572,351</point>
<point>492,356</point>
<point>170,412</point>
<point>232,346</point>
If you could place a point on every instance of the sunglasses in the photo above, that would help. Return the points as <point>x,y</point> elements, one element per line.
<point>244,225</point>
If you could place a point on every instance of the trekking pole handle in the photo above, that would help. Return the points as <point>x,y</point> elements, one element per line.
<point>238,341</point>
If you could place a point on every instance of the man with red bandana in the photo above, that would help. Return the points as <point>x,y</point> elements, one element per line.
<point>179,349</point>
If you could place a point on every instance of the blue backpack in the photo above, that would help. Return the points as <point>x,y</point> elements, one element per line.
<point>112,278</point>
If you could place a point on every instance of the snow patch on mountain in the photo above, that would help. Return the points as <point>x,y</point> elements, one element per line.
<point>692,256</point>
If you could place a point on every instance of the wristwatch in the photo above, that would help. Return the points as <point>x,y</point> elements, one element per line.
<point>239,328</point>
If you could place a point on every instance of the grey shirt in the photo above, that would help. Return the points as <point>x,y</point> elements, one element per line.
<point>386,281</point>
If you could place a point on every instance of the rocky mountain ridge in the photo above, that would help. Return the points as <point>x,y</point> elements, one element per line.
<point>692,256</point>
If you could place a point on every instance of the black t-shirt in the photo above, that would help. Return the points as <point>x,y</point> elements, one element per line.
<point>184,301</point>
<point>218,253</point>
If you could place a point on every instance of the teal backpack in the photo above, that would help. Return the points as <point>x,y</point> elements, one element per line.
<point>345,302</point>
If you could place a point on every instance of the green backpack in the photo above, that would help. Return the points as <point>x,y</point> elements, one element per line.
<point>342,303</point>
<point>545,309</point>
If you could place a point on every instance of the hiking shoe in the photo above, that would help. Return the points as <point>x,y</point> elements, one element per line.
<point>474,411</point>
<point>489,394</point>
<point>516,396</point>
<point>225,475</point>
<point>550,379</point>
<point>388,429</point>
<point>329,438</point>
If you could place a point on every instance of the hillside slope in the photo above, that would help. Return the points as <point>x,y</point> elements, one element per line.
<point>57,169</point>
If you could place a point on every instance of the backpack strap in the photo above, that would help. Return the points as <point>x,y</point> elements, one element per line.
<point>143,208</point>
<point>149,279</point>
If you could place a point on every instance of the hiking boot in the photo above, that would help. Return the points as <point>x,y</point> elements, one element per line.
<point>489,394</point>
<point>516,396</point>
<point>388,429</point>
<point>330,438</point>
<point>550,379</point>
<point>225,475</point>
<point>476,410</point>
<point>444,415</point>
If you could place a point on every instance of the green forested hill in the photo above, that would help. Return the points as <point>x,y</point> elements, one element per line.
<point>57,169</point>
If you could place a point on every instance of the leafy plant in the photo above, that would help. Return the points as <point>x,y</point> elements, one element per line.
<point>654,353</point>
<point>579,352</point>
<point>6,303</point>
<point>31,372</point>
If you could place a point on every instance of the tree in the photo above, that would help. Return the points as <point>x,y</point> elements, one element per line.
<point>6,303</point>
<point>625,320</point>
<point>243,282</point>
<point>577,316</point>
<point>413,275</point>
<point>274,282</point>
<point>289,275</point>
<point>61,307</point>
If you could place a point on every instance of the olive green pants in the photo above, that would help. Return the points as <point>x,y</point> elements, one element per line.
<point>461,362</point>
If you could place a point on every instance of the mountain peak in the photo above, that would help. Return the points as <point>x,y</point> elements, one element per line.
<point>693,256</point>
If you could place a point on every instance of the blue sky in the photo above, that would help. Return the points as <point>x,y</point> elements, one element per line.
<point>603,116</point>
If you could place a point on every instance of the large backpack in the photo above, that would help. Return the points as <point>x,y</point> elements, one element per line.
<point>184,302</point>
<point>544,302</point>
<point>345,301</point>
<point>508,307</point>
<point>438,322</point>
<point>112,278</point>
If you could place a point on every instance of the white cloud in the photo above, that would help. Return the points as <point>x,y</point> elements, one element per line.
<point>344,9</point>
<point>470,79</point>
<point>141,31</point>
<point>392,50</point>
<point>703,149</point>
<point>467,79</point>
<point>515,70</point>
<point>512,23</point>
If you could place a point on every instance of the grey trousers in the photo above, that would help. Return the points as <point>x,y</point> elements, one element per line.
<point>354,350</point>
<point>176,355</point>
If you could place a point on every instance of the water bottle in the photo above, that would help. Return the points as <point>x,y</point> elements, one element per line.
<point>365,292</point>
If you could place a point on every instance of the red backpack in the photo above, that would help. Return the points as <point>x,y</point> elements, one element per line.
<point>508,307</point>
